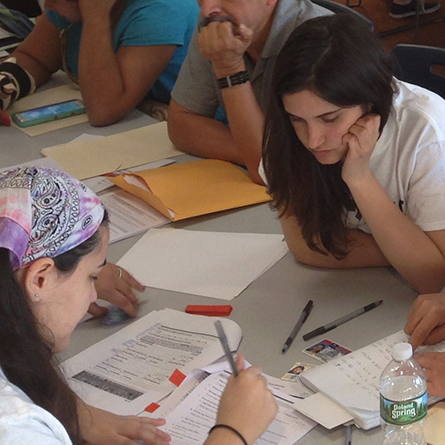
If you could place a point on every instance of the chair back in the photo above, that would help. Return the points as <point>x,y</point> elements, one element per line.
<point>414,64</point>
<point>339,8</point>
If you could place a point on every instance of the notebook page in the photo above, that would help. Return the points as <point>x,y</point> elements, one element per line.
<point>359,371</point>
<point>357,376</point>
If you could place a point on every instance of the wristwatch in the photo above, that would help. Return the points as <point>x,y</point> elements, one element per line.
<point>235,79</point>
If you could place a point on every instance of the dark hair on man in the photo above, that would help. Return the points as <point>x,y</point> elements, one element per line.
<point>339,59</point>
<point>26,357</point>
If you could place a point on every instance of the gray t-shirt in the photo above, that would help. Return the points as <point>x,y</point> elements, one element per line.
<point>196,87</point>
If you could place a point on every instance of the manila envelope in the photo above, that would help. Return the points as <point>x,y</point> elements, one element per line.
<point>194,188</point>
<point>434,425</point>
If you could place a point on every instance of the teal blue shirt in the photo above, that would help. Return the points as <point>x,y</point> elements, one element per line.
<point>143,23</point>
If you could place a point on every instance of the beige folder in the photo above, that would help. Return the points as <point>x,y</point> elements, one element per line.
<point>434,425</point>
<point>194,188</point>
<point>85,159</point>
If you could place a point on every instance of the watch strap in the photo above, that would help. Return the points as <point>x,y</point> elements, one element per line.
<point>232,80</point>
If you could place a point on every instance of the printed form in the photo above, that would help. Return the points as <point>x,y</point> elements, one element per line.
<point>129,370</point>
<point>190,421</point>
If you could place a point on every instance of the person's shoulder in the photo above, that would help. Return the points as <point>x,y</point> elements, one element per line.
<point>167,7</point>
<point>414,104</point>
<point>21,421</point>
<point>306,9</point>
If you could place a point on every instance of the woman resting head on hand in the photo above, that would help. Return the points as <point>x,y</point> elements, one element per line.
<point>353,157</point>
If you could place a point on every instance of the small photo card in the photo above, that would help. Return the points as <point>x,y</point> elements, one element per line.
<point>326,350</point>
<point>294,373</point>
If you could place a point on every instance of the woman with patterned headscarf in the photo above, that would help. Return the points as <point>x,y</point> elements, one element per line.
<point>53,244</point>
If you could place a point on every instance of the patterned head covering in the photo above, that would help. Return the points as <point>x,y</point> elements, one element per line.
<point>44,212</point>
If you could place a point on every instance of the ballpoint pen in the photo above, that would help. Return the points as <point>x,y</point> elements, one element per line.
<point>303,317</point>
<point>340,321</point>
<point>348,439</point>
<point>225,345</point>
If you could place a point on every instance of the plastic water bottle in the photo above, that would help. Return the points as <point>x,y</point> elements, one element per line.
<point>403,398</point>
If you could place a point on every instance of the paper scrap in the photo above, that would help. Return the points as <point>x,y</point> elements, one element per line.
<point>323,410</point>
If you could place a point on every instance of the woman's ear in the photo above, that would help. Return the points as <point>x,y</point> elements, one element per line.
<point>37,277</point>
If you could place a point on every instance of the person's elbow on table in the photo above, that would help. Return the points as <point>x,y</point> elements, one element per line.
<point>178,126</point>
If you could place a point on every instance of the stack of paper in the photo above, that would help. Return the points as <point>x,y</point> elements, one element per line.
<point>212,264</point>
<point>133,368</point>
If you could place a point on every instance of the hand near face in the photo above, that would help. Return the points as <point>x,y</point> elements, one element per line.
<point>224,44</point>
<point>100,427</point>
<point>117,290</point>
<point>434,365</point>
<point>361,140</point>
<point>246,404</point>
<point>426,320</point>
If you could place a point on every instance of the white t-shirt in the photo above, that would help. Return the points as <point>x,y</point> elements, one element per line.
<point>409,158</point>
<point>22,422</point>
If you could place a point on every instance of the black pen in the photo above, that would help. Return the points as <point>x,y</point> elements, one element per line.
<point>225,345</point>
<point>303,317</point>
<point>338,322</point>
<point>348,439</point>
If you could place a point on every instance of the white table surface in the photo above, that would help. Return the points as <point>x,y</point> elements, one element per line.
<point>268,309</point>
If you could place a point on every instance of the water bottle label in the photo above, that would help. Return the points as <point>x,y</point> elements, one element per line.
<point>403,413</point>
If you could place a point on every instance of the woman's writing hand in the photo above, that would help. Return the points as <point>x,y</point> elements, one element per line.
<point>246,404</point>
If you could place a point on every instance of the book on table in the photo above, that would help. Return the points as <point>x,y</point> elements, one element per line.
<point>352,381</point>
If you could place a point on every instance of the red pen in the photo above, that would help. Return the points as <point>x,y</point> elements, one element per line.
<point>5,119</point>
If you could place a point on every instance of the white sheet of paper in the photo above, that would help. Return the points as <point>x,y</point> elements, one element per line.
<point>129,215</point>
<point>127,371</point>
<point>323,410</point>
<point>211,264</point>
<point>190,421</point>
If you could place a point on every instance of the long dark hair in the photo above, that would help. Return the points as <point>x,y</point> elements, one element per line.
<point>25,356</point>
<point>339,59</point>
